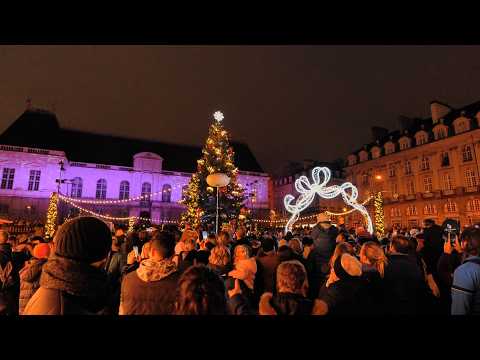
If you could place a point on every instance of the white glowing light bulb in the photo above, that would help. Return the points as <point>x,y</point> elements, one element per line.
<point>218,115</point>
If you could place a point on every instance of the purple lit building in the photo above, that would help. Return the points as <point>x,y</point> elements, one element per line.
<point>104,167</point>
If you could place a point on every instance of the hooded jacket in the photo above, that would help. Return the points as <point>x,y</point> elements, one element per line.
<point>69,287</point>
<point>29,281</point>
<point>151,289</point>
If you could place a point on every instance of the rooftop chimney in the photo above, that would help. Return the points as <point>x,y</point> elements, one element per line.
<point>438,111</point>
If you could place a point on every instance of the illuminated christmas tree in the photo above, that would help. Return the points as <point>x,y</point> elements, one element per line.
<point>379,214</point>
<point>51,223</point>
<point>200,198</point>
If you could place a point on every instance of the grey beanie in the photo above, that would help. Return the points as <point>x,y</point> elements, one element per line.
<point>86,239</point>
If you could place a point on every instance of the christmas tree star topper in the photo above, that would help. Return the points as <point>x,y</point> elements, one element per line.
<point>218,115</point>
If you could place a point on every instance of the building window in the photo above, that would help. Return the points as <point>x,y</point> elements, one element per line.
<point>410,187</point>
<point>425,163</point>
<point>375,153</point>
<point>391,171</point>
<point>34,180</point>
<point>450,207</point>
<point>473,205</point>
<point>440,132</point>
<point>389,148</point>
<point>7,178</point>
<point>427,184</point>
<point>404,144</point>
<point>184,192</point>
<point>394,188</point>
<point>146,192</point>
<point>166,193</point>
<point>421,138</point>
<point>363,156</point>
<point>444,159</point>
<point>124,190</point>
<point>101,192</point>
<point>365,179</point>
<point>408,167</point>
<point>77,185</point>
<point>470,178</point>
<point>467,153</point>
<point>461,125</point>
<point>429,209</point>
<point>412,210</point>
<point>395,212</point>
<point>448,182</point>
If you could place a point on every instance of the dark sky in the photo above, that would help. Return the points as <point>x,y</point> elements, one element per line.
<point>286,102</point>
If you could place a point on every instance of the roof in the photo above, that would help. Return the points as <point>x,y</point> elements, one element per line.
<point>424,124</point>
<point>40,129</point>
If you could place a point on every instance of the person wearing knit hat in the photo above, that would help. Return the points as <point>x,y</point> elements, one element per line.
<point>73,280</point>
<point>344,296</point>
<point>30,274</point>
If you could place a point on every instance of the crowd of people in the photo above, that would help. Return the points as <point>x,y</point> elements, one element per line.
<point>325,270</point>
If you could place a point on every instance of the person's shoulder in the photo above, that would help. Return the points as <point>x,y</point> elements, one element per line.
<point>44,302</point>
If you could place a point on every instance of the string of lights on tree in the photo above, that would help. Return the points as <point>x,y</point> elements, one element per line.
<point>379,214</point>
<point>217,157</point>
<point>51,223</point>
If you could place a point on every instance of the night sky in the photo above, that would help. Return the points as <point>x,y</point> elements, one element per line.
<point>285,102</point>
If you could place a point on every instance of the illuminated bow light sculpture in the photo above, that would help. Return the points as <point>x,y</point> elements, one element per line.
<point>307,194</point>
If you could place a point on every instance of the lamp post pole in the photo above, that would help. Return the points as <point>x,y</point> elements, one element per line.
<point>216,220</point>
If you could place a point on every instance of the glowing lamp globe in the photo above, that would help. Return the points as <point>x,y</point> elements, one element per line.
<point>218,180</point>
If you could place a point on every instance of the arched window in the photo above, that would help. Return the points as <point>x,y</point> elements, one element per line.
<point>146,192</point>
<point>473,205</point>
<point>124,190</point>
<point>450,207</point>
<point>101,192</point>
<point>77,185</point>
<point>184,192</point>
<point>467,153</point>
<point>166,193</point>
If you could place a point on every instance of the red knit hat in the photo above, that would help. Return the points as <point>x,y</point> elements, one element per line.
<point>41,251</point>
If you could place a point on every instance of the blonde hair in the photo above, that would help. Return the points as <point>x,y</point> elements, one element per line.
<point>340,249</point>
<point>375,255</point>
<point>291,277</point>
<point>188,234</point>
<point>189,243</point>
<point>296,245</point>
<point>223,238</point>
<point>219,256</point>
<point>241,252</point>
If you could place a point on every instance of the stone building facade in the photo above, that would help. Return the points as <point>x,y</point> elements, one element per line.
<point>35,152</point>
<point>428,169</point>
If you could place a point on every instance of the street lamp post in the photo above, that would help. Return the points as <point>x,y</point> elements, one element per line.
<point>217,180</point>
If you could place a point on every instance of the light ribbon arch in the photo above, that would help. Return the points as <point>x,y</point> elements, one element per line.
<point>319,186</point>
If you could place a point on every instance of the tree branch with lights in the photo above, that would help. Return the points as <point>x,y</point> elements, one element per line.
<point>199,197</point>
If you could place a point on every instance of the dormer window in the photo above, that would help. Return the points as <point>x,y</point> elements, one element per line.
<point>352,159</point>
<point>389,147</point>
<point>440,132</point>
<point>421,137</point>
<point>461,125</point>
<point>404,143</point>
<point>363,155</point>
<point>375,152</point>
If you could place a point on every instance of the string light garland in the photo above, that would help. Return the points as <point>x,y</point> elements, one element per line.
<point>379,214</point>
<point>365,202</point>
<point>117,201</point>
<point>51,223</point>
<point>114,218</point>
<point>308,191</point>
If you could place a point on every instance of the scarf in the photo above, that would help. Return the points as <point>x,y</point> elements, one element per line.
<point>151,270</point>
<point>74,278</point>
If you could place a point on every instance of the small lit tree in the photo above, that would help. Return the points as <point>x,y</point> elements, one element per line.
<point>200,198</point>
<point>51,223</point>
